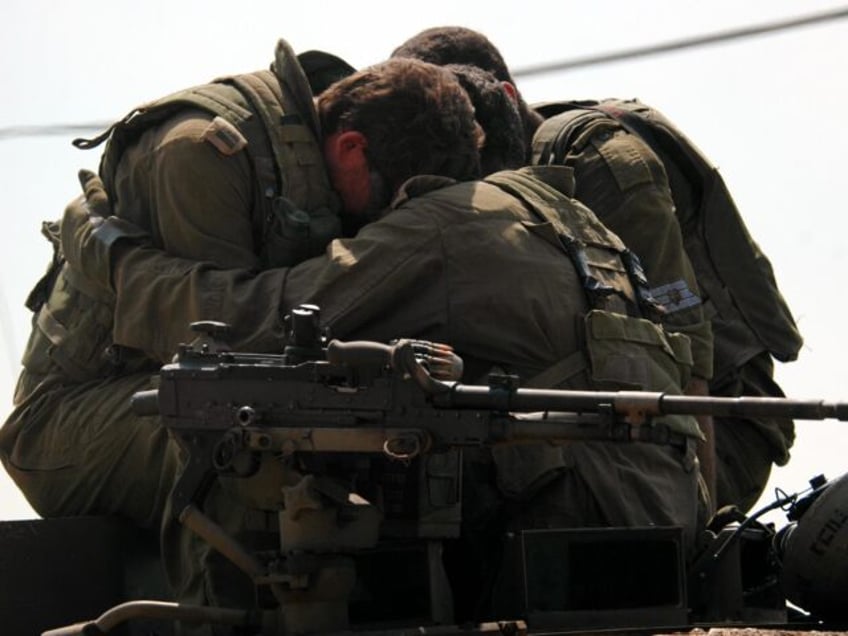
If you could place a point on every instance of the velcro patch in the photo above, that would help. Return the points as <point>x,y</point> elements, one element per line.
<point>675,296</point>
<point>226,138</point>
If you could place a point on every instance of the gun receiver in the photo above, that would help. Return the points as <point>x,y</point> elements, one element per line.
<point>363,397</point>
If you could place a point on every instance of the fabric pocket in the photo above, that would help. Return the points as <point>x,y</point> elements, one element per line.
<point>71,331</point>
<point>628,353</point>
<point>634,353</point>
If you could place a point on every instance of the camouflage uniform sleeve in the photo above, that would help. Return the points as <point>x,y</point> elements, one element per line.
<point>621,179</point>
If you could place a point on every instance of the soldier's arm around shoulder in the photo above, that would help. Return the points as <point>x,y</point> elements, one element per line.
<point>157,295</point>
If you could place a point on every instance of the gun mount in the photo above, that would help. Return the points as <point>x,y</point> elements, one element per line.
<point>357,448</point>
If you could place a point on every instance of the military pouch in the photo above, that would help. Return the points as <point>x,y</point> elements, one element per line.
<point>634,353</point>
<point>628,353</point>
<point>293,235</point>
<point>72,332</point>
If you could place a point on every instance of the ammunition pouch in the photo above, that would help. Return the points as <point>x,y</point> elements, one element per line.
<point>627,353</point>
<point>621,353</point>
<point>73,313</point>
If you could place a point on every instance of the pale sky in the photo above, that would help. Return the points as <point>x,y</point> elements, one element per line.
<point>768,110</point>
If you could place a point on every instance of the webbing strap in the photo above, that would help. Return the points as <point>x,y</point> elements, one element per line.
<point>560,372</point>
<point>266,98</point>
<point>536,196</point>
<point>563,132</point>
<point>56,333</point>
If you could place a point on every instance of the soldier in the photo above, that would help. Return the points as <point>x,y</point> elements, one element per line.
<point>436,265</point>
<point>72,443</point>
<point>625,182</point>
<point>230,173</point>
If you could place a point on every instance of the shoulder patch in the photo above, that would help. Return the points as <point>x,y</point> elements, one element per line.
<point>226,138</point>
<point>675,296</point>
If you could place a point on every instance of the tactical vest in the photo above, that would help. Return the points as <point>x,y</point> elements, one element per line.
<point>625,346</point>
<point>295,210</point>
<point>294,214</point>
<point>748,313</point>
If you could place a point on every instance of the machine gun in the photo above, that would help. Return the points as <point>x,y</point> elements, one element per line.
<point>356,446</point>
<point>401,400</point>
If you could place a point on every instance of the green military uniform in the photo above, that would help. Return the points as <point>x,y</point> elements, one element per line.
<point>469,264</point>
<point>621,179</point>
<point>388,282</point>
<point>624,181</point>
<point>229,174</point>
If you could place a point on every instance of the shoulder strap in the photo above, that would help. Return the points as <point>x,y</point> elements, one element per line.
<point>592,248</point>
<point>562,130</point>
<point>621,348</point>
<point>665,139</point>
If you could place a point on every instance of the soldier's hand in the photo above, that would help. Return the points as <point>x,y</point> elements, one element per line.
<point>95,194</point>
<point>90,232</point>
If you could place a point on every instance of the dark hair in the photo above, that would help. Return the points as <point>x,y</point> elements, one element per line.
<point>416,117</point>
<point>455,45</point>
<point>459,45</point>
<point>497,114</point>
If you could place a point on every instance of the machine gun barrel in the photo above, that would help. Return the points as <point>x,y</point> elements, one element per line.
<point>644,403</point>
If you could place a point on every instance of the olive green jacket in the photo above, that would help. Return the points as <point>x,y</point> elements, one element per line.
<point>463,263</point>
<point>466,264</point>
<point>623,181</point>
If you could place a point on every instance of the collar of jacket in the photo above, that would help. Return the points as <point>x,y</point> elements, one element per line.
<point>559,177</point>
<point>418,186</point>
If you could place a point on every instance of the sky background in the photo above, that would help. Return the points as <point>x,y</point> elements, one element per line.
<point>769,110</point>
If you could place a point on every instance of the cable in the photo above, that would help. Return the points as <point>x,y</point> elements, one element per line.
<point>675,45</point>
<point>50,130</point>
<point>13,132</point>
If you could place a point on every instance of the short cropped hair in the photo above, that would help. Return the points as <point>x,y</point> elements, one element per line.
<point>497,114</point>
<point>459,45</point>
<point>416,117</point>
<point>455,45</point>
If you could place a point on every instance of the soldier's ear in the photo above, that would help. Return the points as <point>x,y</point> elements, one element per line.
<point>351,145</point>
<point>345,150</point>
<point>509,89</point>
